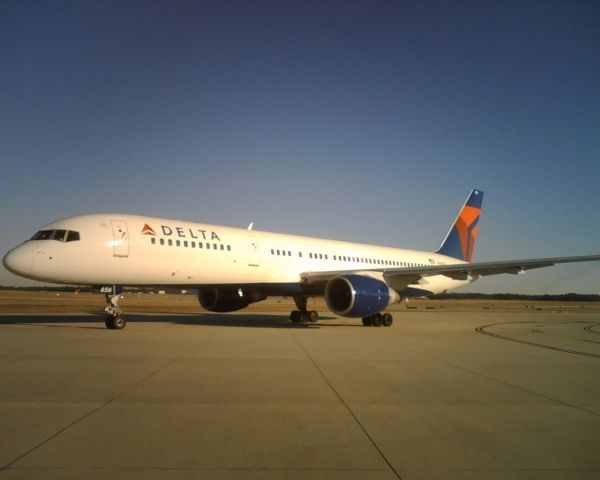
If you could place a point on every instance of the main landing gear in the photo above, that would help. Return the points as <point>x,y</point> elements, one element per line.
<point>114,319</point>
<point>378,319</point>
<point>302,314</point>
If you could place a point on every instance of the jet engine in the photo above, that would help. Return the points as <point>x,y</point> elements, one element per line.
<point>358,295</point>
<point>227,300</point>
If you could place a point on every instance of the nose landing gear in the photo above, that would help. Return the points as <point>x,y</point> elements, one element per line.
<point>114,319</point>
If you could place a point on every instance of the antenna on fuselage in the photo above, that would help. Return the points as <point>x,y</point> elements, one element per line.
<point>250,226</point>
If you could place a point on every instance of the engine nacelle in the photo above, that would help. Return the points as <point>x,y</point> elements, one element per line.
<point>358,295</point>
<point>227,300</point>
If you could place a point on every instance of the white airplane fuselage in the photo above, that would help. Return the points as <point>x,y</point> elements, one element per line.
<point>146,251</point>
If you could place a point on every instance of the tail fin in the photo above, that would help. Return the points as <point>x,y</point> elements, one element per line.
<point>460,240</point>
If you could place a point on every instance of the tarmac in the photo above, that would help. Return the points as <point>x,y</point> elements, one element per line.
<point>477,394</point>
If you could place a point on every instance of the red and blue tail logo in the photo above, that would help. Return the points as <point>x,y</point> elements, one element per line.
<point>460,241</point>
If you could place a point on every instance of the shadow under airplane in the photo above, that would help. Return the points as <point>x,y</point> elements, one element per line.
<point>96,321</point>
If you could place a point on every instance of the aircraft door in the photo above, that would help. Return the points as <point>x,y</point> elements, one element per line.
<point>120,238</point>
<point>253,253</point>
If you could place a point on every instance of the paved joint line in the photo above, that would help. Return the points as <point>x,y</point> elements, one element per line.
<point>88,414</point>
<point>56,434</point>
<point>100,407</point>
<point>501,382</point>
<point>540,395</point>
<point>352,414</point>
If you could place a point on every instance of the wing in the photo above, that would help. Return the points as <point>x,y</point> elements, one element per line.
<point>400,278</point>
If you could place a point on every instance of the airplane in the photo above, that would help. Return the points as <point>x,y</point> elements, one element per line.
<point>232,267</point>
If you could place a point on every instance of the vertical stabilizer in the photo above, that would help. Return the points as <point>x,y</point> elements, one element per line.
<point>460,240</point>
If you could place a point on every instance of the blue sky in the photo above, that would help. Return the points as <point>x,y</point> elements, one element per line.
<point>366,121</point>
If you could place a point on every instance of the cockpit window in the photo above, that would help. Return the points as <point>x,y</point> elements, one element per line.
<point>72,236</point>
<point>58,235</point>
<point>42,235</point>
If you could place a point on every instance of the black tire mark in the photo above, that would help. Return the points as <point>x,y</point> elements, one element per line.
<point>590,329</point>
<point>482,330</point>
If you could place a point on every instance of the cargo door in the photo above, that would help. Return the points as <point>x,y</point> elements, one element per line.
<point>120,238</point>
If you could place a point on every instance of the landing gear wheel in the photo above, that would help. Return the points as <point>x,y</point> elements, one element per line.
<point>115,323</point>
<point>377,320</point>
<point>302,314</point>
<point>119,323</point>
<point>367,321</point>
<point>387,320</point>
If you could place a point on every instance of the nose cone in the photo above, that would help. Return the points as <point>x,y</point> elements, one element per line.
<point>19,260</point>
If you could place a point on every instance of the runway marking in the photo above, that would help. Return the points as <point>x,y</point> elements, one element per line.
<point>482,330</point>
<point>341,399</point>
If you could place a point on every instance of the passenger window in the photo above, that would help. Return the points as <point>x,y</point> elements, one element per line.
<point>229,248</point>
<point>289,253</point>
<point>162,241</point>
<point>222,247</point>
<point>272,252</point>
<point>185,243</point>
<point>193,244</point>
<point>170,242</point>
<point>215,246</point>
<point>278,252</point>
<point>152,240</point>
<point>177,243</point>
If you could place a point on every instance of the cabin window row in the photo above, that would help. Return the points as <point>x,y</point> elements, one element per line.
<point>346,258</point>
<point>371,261</point>
<point>376,261</point>
<point>190,244</point>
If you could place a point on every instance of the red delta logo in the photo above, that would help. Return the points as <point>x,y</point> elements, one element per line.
<point>148,230</point>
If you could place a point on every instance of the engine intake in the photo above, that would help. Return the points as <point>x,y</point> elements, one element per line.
<point>358,295</point>
<point>227,300</point>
